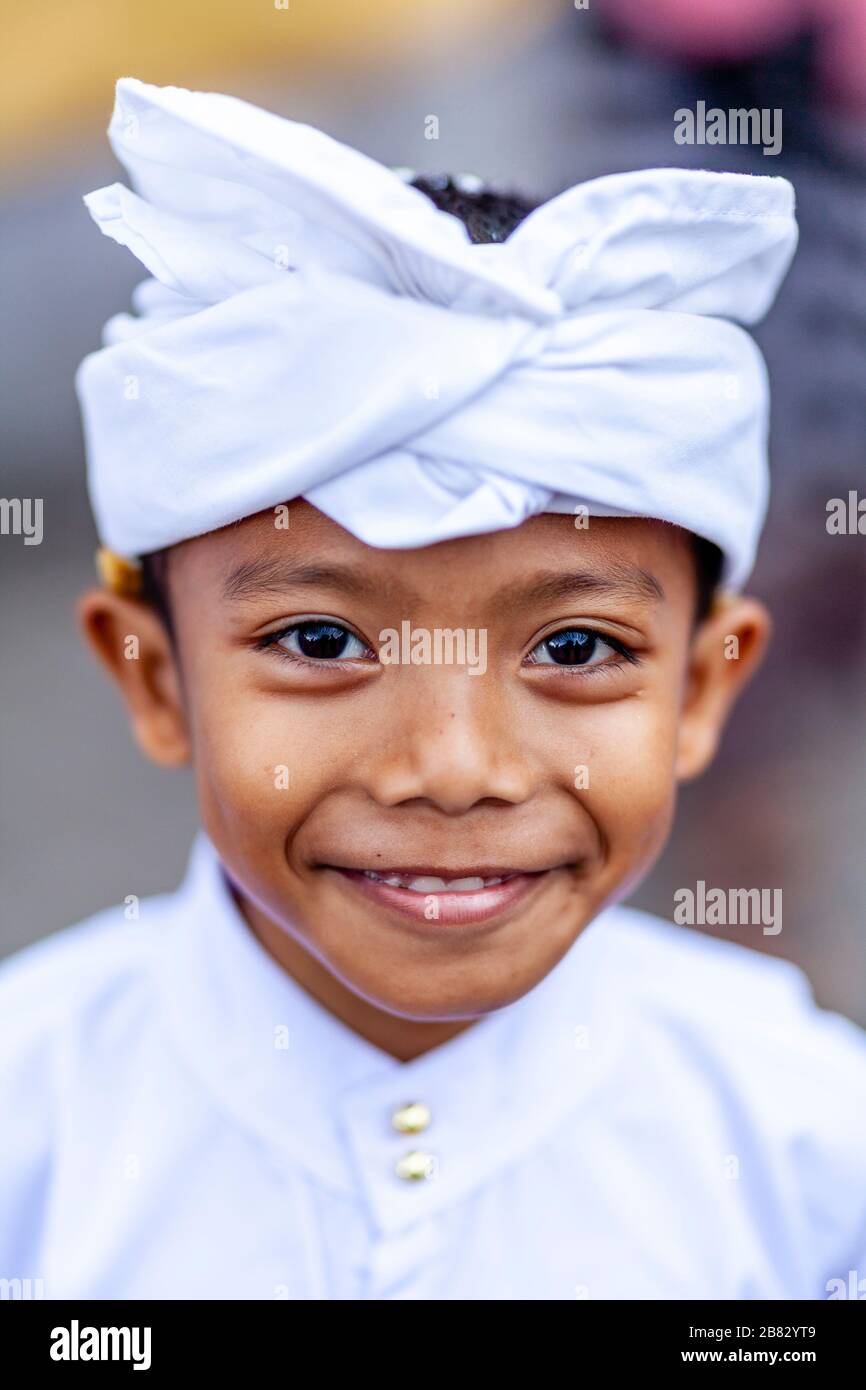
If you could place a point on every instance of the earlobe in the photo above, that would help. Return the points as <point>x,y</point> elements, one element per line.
<point>132,643</point>
<point>726,651</point>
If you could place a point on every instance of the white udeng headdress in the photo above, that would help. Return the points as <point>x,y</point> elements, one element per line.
<point>317,327</point>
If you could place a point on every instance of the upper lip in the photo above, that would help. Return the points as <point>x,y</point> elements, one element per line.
<point>438,871</point>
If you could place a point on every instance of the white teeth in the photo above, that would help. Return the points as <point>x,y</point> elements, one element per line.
<point>428,883</point>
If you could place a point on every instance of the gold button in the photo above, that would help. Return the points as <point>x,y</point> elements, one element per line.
<point>415,1165</point>
<point>411,1118</point>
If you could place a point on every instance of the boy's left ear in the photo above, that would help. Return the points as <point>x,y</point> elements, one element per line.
<point>725,652</point>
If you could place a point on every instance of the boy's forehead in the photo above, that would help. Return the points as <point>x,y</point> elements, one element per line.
<point>299,546</point>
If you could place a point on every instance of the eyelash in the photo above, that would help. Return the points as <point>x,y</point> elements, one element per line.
<point>272,640</point>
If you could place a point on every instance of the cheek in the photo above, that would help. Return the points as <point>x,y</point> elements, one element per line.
<point>261,761</point>
<point>629,754</point>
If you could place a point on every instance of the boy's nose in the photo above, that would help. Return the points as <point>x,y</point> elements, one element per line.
<point>453,749</point>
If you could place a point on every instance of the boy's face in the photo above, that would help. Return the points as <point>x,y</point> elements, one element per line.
<point>548,758</point>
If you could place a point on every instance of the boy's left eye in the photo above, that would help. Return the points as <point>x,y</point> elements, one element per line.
<point>576,646</point>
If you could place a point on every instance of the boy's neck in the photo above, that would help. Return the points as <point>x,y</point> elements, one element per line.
<point>401,1037</point>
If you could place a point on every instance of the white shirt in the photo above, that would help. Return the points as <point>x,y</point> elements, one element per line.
<point>664,1116</point>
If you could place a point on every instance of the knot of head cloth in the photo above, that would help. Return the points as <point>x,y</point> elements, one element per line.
<point>314,326</point>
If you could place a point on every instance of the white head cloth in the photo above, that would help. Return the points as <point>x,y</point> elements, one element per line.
<point>316,327</point>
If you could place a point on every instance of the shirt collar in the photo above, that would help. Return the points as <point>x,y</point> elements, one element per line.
<point>318,1094</point>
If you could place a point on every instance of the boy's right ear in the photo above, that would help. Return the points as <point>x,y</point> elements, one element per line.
<point>133,645</point>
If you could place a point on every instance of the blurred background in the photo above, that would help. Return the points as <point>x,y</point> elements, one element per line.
<point>531,97</point>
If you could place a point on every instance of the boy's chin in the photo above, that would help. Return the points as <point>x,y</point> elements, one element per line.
<point>447,1003</point>
<point>464,982</point>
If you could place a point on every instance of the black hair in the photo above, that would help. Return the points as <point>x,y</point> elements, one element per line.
<point>486,215</point>
<point>154,585</point>
<point>708,560</point>
<point>489,215</point>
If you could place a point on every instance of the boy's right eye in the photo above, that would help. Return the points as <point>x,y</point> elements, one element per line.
<point>318,640</point>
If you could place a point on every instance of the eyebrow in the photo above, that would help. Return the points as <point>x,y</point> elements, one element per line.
<point>254,578</point>
<point>622,581</point>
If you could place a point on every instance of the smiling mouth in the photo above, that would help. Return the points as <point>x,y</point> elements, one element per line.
<point>437,897</point>
<point>430,882</point>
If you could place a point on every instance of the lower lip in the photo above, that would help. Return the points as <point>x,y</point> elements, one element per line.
<point>446,909</point>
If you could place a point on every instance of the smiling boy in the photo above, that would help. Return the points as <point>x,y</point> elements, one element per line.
<point>394,1037</point>
<point>418,772</point>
